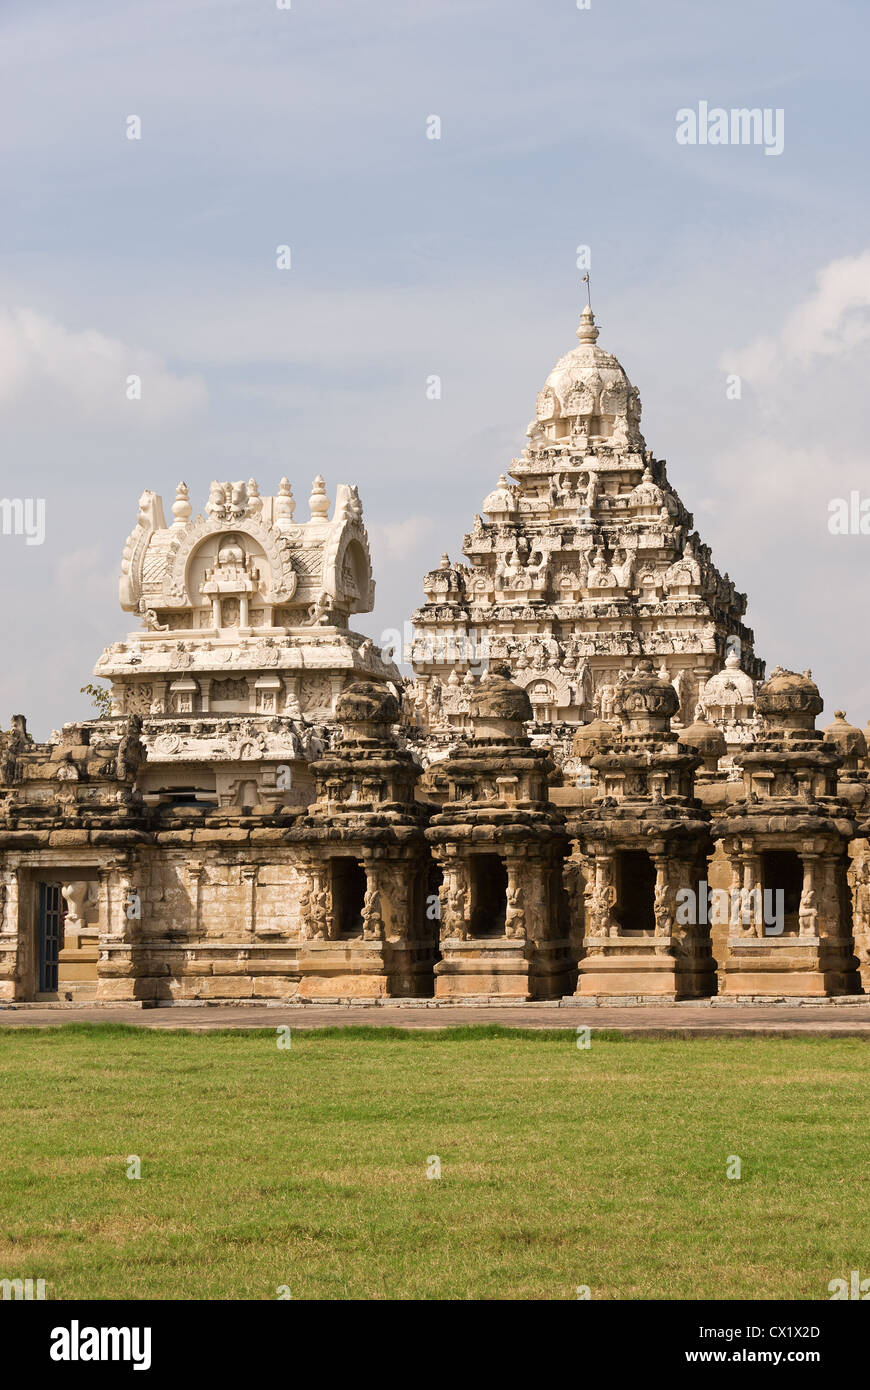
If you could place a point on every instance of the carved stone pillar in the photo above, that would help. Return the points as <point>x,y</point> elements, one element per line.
<point>120,918</point>
<point>120,907</point>
<point>808,915</point>
<point>515,917</point>
<point>195,871</point>
<point>663,899</point>
<point>455,901</point>
<point>10,936</point>
<point>315,906</point>
<point>373,920</point>
<point>249,886</point>
<point>750,914</point>
<point>601,899</point>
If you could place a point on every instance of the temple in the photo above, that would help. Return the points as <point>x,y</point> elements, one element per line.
<point>245,645</point>
<point>586,790</point>
<point>585,564</point>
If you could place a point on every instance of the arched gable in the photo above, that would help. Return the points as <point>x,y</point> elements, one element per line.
<point>181,551</point>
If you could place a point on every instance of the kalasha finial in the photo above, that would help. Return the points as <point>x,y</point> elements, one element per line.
<point>318,501</point>
<point>181,508</point>
<point>587,332</point>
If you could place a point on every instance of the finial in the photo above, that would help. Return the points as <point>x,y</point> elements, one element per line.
<point>255,501</point>
<point>181,507</point>
<point>587,332</point>
<point>285,504</point>
<point>318,501</point>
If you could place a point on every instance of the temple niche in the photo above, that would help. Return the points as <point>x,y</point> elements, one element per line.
<point>363,861</point>
<point>245,643</point>
<point>787,842</point>
<point>499,844</point>
<point>639,845</point>
<point>583,561</point>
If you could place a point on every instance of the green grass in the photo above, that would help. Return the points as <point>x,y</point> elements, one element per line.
<point>560,1167</point>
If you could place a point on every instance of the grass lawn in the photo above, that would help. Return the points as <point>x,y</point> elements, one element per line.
<point>307,1167</point>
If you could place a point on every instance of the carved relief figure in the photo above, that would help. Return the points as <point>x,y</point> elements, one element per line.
<point>515,917</point>
<point>373,922</point>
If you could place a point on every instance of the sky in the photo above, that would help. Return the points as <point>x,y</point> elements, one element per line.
<point>309,127</point>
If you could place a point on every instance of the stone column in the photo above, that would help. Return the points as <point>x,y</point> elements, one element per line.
<point>601,899</point>
<point>195,870</point>
<point>750,912</point>
<point>117,903</point>
<point>10,934</point>
<point>455,900</point>
<point>663,906</point>
<point>120,917</point>
<point>249,885</point>
<point>317,924</point>
<point>373,918</point>
<point>808,915</point>
<point>861,907</point>
<point>518,888</point>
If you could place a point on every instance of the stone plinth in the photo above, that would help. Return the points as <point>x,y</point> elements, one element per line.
<point>501,968</point>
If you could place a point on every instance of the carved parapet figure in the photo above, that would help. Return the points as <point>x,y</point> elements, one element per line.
<point>131,752</point>
<point>12,745</point>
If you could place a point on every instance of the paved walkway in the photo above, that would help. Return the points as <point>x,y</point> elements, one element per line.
<point>783,1020</point>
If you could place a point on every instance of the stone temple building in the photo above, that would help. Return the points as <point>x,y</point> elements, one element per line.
<point>244,646</point>
<point>586,563</point>
<point>588,790</point>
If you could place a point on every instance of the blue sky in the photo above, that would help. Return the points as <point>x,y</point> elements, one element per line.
<point>414,257</point>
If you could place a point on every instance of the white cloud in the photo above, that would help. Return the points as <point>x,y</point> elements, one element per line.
<point>830,322</point>
<point>403,540</point>
<point>45,366</point>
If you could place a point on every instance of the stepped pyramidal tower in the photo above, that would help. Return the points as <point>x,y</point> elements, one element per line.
<point>584,561</point>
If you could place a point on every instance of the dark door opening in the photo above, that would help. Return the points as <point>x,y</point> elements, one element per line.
<point>488,895</point>
<point>635,891</point>
<point>51,915</point>
<point>349,885</point>
<point>782,871</point>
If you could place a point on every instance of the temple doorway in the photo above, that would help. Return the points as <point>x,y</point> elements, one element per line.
<point>635,891</point>
<point>489,881</point>
<point>52,911</point>
<point>782,871</point>
<point>348,896</point>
